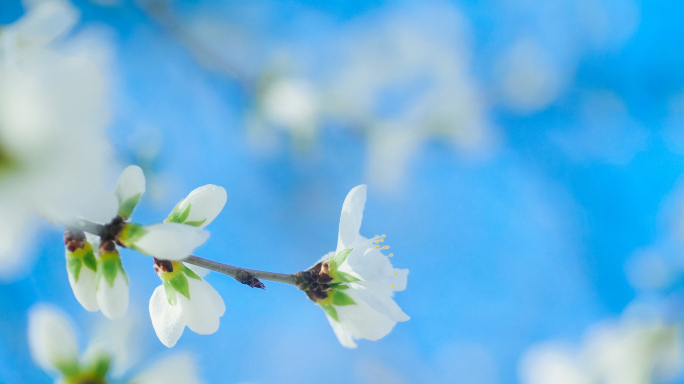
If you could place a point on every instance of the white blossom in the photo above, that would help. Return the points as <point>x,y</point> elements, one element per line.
<point>359,304</point>
<point>52,339</point>
<point>184,299</point>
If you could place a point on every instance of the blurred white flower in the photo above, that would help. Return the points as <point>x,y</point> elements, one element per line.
<point>629,352</point>
<point>407,80</point>
<point>184,298</point>
<point>177,369</point>
<point>355,284</point>
<point>53,109</point>
<point>52,339</point>
<point>54,347</point>
<point>530,80</point>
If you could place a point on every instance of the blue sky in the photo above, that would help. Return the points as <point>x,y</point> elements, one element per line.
<point>528,240</point>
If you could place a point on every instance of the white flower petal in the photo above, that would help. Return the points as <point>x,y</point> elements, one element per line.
<point>171,241</point>
<point>380,299</point>
<point>343,335</point>
<point>52,339</point>
<point>363,321</point>
<point>350,219</point>
<point>398,280</point>
<point>178,369</point>
<point>205,308</point>
<point>168,320</point>
<point>84,289</point>
<point>206,203</point>
<point>113,300</point>
<point>368,262</point>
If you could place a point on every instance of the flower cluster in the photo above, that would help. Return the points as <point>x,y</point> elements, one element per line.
<point>632,351</point>
<point>355,284</point>
<point>100,282</point>
<point>54,347</point>
<point>54,108</point>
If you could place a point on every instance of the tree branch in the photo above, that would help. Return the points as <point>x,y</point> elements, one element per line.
<point>242,275</point>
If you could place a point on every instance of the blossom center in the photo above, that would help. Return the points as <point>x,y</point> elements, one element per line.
<point>316,282</point>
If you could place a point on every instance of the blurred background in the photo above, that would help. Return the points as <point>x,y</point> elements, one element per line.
<point>523,158</point>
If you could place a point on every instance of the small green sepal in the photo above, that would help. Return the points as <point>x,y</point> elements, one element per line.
<point>344,277</point>
<point>109,265</point>
<point>196,223</point>
<point>126,207</point>
<point>331,311</point>
<point>130,234</point>
<point>341,299</point>
<point>178,215</point>
<point>74,267</point>
<point>190,273</point>
<point>89,258</point>
<point>180,285</point>
<point>100,364</point>
<point>338,259</point>
<point>68,368</point>
<point>170,293</point>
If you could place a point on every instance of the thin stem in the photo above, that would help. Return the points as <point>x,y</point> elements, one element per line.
<point>238,273</point>
<point>86,226</point>
<point>243,275</point>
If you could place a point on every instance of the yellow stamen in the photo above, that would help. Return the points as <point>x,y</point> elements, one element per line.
<point>392,285</point>
<point>391,255</point>
<point>384,235</point>
<point>377,246</point>
<point>396,274</point>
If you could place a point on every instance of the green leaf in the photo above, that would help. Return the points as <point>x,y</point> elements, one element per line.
<point>345,277</point>
<point>74,267</point>
<point>180,285</point>
<point>90,261</point>
<point>338,259</point>
<point>339,286</point>
<point>341,299</point>
<point>126,208</point>
<point>131,233</point>
<point>190,273</point>
<point>331,311</point>
<point>178,215</point>
<point>196,223</point>
<point>170,293</point>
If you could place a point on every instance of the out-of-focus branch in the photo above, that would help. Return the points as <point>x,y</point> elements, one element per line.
<point>160,12</point>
